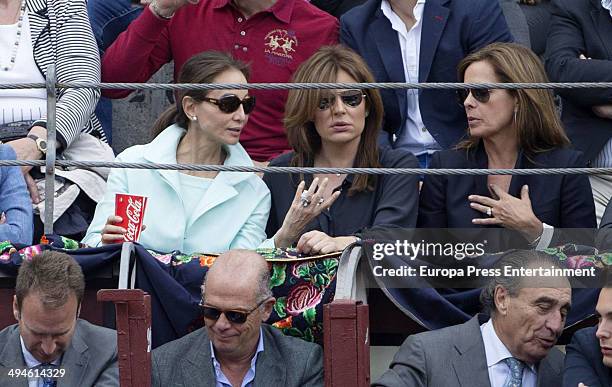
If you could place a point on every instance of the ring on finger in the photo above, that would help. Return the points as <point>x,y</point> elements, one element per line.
<point>305,202</point>
<point>320,201</point>
<point>489,211</point>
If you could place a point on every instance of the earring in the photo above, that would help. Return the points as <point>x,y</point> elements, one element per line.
<point>515,110</point>
<point>194,118</point>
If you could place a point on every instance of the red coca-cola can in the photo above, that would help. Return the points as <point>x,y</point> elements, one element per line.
<point>131,209</point>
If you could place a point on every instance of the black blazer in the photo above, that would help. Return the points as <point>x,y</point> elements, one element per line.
<point>583,361</point>
<point>582,27</point>
<point>558,200</point>
<point>393,202</point>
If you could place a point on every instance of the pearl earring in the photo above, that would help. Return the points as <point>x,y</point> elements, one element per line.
<point>193,118</point>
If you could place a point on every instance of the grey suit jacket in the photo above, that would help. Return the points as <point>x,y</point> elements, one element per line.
<point>453,357</point>
<point>90,360</point>
<point>285,361</point>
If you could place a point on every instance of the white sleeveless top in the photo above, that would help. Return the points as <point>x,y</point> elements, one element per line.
<point>20,104</point>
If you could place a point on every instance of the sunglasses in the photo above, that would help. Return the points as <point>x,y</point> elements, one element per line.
<point>480,95</point>
<point>231,103</point>
<point>233,316</point>
<point>351,98</point>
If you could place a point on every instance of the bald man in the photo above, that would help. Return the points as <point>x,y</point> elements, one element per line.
<point>235,348</point>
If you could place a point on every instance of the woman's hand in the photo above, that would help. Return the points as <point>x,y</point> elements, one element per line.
<point>306,206</point>
<point>318,242</point>
<point>111,233</point>
<point>508,211</point>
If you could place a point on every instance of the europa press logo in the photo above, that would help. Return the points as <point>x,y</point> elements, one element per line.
<point>279,46</point>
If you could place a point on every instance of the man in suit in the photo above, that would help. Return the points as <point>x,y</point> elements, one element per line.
<point>514,347</point>
<point>421,41</point>
<point>50,340</point>
<point>588,358</point>
<point>235,348</point>
<point>579,49</point>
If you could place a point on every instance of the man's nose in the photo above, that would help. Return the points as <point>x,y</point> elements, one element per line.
<point>48,345</point>
<point>603,329</point>
<point>555,323</point>
<point>222,322</point>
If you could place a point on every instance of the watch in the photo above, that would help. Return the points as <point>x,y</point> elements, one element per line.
<point>41,144</point>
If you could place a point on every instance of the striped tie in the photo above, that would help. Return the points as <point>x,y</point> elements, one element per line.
<point>48,382</point>
<point>515,379</point>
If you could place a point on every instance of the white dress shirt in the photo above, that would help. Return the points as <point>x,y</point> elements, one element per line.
<point>249,378</point>
<point>31,362</point>
<point>414,136</point>
<point>496,352</point>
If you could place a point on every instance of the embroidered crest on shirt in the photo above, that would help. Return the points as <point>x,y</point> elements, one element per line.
<point>279,46</point>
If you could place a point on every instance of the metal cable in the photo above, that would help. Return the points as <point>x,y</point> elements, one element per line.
<point>288,86</point>
<point>369,171</point>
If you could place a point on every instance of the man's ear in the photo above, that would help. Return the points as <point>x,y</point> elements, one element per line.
<point>268,305</point>
<point>16,312</point>
<point>500,298</point>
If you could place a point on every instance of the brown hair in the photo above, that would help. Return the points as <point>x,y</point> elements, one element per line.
<point>200,68</point>
<point>301,106</point>
<point>53,275</point>
<point>537,123</point>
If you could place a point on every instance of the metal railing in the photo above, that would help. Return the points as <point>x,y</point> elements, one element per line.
<point>51,85</point>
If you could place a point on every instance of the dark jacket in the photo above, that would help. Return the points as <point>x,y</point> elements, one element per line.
<point>393,202</point>
<point>451,30</point>
<point>583,361</point>
<point>582,27</point>
<point>559,200</point>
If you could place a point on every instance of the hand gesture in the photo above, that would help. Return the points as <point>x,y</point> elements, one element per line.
<point>167,8</point>
<point>318,242</point>
<point>508,211</point>
<point>306,206</point>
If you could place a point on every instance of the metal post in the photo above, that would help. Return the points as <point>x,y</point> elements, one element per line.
<point>50,156</point>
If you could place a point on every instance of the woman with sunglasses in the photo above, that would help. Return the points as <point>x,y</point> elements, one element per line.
<point>508,129</point>
<point>193,211</point>
<point>339,129</point>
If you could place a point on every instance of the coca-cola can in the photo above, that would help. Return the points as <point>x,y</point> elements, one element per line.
<point>131,209</point>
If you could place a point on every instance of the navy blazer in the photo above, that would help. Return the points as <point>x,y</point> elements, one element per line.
<point>564,201</point>
<point>451,30</point>
<point>582,27</point>
<point>583,361</point>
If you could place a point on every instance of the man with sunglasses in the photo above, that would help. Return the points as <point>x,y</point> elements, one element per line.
<point>235,348</point>
<point>421,41</point>
<point>274,36</point>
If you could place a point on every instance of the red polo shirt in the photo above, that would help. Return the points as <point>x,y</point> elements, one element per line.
<point>275,42</point>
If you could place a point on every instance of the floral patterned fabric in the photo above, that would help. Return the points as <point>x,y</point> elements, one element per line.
<point>301,285</point>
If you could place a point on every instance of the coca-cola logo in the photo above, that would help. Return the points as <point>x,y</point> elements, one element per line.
<point>133,213</point>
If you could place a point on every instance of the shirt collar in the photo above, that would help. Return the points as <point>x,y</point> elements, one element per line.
<point>260,348</point>
<point>282,9</point>
<point>495,350</point>
<point>607,4</point>
<point>396,21</point>
<point>30,360</point>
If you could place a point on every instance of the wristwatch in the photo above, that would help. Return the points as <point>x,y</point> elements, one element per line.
<point>41,144</point>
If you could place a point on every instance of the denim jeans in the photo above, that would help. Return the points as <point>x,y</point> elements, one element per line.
<point>109,18</point>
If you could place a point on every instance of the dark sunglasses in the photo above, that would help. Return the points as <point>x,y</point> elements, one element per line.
<point>231,103</point>
<point>351,98</point>
<point>480,95</point>
<point>233,316</point>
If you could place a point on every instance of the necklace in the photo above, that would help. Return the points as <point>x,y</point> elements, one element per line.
<point>9,66</point>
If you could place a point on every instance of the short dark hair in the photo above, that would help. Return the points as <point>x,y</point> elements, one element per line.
<point>514,259</point>
<point>54,275</point>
